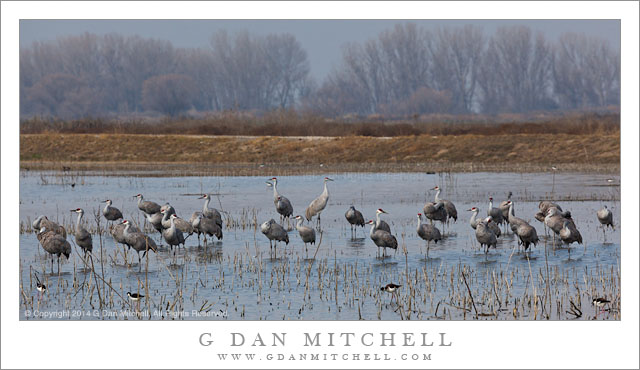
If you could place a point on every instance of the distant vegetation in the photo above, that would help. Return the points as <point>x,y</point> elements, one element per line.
<point>402,74</point>
<point>289,123</point>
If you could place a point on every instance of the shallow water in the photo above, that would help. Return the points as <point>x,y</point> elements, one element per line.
<point>236,278</point>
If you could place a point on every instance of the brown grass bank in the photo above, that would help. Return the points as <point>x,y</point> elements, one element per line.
<point>246,154</point>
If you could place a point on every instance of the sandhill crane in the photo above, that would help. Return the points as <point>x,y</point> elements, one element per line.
<point>206,226</point>
<point>485,235</point>
<point>307,234</point>
<point>495,213</point>
<point>474,221</point>
<point>83,238</point>
<point>138,241</point>
<point>117,233</point>
<point>381,238</point>
<point>504,207</point>
<point>435,212</point>
<point>155,220</point>
<point>527,234</point>
<point>146,206</point>
<point>428,232</point>
<point>54,244</point>
<point>354,217</point>
<point>109,212</point>
<point>210,213</point>
<point>605,216</point>
<point>181,224</point>
<point>570,234</point>
<point>273,231</point>
<point>172,235</point>
<point>318,204</point>
<point>448,205</point>
<point>474,217</point>
<point>381,225</point>
<point>43,221</point>
<point>283,205</point>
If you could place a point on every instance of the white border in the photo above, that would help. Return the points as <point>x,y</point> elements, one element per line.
<point>476,344</point>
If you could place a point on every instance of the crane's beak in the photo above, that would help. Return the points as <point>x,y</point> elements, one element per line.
<point>201,197</point>
<point>328,179</point>
<point>73,210</point>
<point>470,209</point>
<point>268,183</point>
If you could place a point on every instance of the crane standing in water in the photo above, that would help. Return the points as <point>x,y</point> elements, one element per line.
<point>354,217</point>
<point>318,204</point>
<point>282,203</point>
<point>605,216</point>
<point>83,237</point>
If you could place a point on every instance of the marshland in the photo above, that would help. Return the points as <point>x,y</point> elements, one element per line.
<point>338,278</point>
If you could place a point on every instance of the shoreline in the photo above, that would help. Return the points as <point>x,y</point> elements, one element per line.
<point>188,155</point>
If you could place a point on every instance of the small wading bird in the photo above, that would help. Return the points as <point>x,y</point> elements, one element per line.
<point>83,238</point>
<point>428,232</point>
<point>600,303</point>
<point>449,208</point>
<point>273,231</point>
<point>605,216</point>
<point>146,206</point>
<point>138,241</point>
<point>355,218</point>
<point>40,287</point>
<point>307,234</point>
<point>109,212</point>
<point>54,244</point>
<point>392,289</point>
<point>318,204</point>
<point>135,297</point>
<point>283,205</point>
<point>485,235</point>
<point>382,239</point>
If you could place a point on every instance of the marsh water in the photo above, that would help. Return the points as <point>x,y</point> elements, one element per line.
<point>238,278</point>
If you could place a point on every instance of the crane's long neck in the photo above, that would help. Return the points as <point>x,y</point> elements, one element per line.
<point>474,215</point>
<point>377,220</point>
<point>325,192</point>
<point>139,200</point>
<point>490,203</point>
<point>438,196</point>
<point>373,229</point>
<point>106,207</point>
<point>78,221</point>
<point>419,223</point>
<point>173,225</point>
<point>126,229</point>
<point>511,211</point>
<point>165,217</point>
<point>205,208</point>
<point>299,224</point>
<point>275,190</point>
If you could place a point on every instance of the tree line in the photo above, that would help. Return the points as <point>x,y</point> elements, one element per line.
<point>404,71</point>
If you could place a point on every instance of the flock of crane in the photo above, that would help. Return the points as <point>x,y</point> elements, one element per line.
<point>208,223</point>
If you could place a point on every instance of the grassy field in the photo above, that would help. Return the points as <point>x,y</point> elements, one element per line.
<point>246,154</point>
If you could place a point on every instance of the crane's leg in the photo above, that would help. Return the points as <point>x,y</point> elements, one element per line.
<point>428,245</point>
<point>58,265</point>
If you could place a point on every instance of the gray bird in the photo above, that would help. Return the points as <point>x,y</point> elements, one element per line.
<point>42,221</point>
<point>382,239</point>
<point>318,204</point>
<point>283,205</point>
<point>354,217</point>
<point>109,212</point>
<point>54,244</point>
<point>146,206</point>
<point>504,207</point>
<point>605,216</point>
<point>543,210</point>
<point>495,213</point>
<point>273,231</point>
<point>207,212</point>
<point>527,234</point>
<point>475,221</point>
<point>485,235</point>
<point>206,226</point>
<point>181,224</point>
<point>83,237</point>
<point>155,220</point>
<point>172,235</point>
<point>435,212</point>
<point>428,232</point>
<point>570,234</point>
<point>117,233</point>
<point>307,234</point>
<point>138,241</point>
<point>449,207</point>
<point>380,224</point>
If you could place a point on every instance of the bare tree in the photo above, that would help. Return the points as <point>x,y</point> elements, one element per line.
<point>170,94</point>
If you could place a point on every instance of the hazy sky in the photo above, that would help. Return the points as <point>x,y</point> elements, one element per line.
<point>322,39</point>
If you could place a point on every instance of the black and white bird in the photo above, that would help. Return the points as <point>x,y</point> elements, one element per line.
<point>600,303</point>
<point>392,289</point>
<point>134,296</point>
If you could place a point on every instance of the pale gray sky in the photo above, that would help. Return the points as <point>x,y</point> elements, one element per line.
<point>322,39</point>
